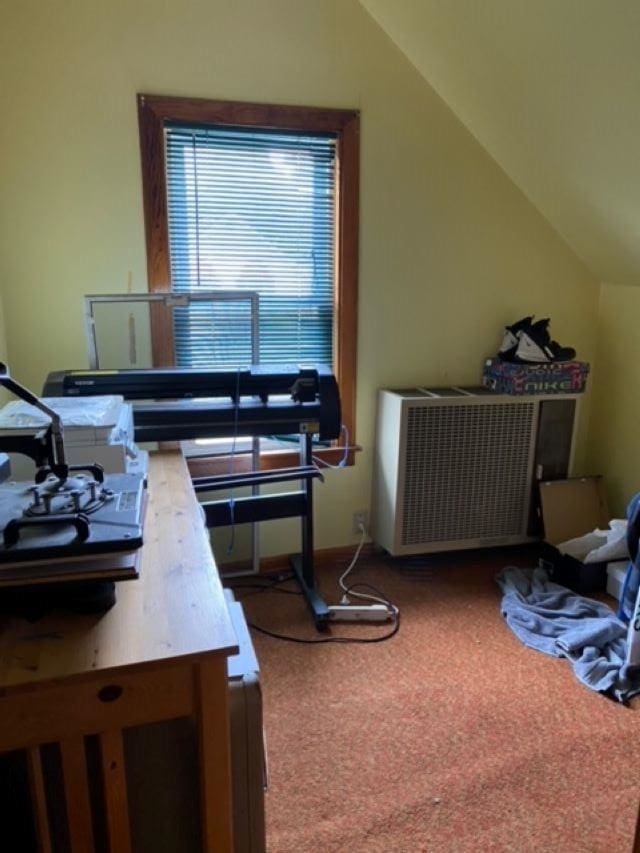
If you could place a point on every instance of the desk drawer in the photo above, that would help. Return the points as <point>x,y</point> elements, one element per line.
<point>42,714</point>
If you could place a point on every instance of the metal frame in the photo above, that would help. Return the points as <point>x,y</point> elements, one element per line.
<point>171,299</point>
<point>176,299</point>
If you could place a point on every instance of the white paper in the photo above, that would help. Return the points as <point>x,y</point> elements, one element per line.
<point>599,546</point>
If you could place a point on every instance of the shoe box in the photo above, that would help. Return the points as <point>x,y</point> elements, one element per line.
<point>559,377</point>
<point>570,509</point>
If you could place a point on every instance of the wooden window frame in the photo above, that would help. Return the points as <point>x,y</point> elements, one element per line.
<point>154,111</point>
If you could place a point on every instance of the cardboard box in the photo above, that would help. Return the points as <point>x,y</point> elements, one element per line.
<point>572,508</point>
<point>562,377</point>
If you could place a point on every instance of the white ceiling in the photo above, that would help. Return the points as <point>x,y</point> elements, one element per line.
<point>551,89</point>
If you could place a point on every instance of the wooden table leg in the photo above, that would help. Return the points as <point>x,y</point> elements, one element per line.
<point>39,800</point>
<point>76,792</point>
<point>636,837</point>
<point>115,791</point>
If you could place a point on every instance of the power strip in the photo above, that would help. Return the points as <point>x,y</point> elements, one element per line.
<point>359,613</point>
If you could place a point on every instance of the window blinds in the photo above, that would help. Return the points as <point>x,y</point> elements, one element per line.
<point>252,210</point>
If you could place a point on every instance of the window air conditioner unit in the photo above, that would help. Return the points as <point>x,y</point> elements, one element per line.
<point>458,467</point>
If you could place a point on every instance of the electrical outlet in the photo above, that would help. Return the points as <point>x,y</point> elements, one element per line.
<point>360,520</point>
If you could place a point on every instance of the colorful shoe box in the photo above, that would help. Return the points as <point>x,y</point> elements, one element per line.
<point>562,377</point>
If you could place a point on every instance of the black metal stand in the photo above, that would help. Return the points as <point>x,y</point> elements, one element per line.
<point>267,507</point>
<point>302,563</point>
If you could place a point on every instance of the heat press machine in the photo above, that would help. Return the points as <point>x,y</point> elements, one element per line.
<point>171,404</point>
<point>72,531</point>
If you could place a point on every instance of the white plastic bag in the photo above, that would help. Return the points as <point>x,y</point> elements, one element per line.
<point>599,546</point>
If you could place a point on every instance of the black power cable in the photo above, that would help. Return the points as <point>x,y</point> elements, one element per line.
<point>275,636</point>
<point>274,586</point>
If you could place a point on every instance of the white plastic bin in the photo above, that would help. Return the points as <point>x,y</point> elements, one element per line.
<point>615,577</point>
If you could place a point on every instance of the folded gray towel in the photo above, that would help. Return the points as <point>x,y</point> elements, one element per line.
<point>558,622</point>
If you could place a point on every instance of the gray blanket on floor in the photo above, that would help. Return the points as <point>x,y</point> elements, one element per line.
<point>558,622</point>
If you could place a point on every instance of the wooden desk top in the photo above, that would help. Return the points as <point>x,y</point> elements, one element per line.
<point>175,609</point>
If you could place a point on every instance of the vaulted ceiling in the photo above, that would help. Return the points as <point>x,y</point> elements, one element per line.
<point>551,89</point>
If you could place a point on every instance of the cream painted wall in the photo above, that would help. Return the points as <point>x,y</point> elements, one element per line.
<point>450,249</point>
<point>613,435</point>
<point>550,89</point>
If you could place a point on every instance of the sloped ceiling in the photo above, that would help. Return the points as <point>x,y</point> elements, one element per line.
<point>551,89</point>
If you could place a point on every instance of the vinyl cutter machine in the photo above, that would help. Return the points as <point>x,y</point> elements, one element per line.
<point>172,404</point>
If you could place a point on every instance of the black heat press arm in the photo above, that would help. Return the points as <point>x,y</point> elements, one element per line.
<point>47,445</point>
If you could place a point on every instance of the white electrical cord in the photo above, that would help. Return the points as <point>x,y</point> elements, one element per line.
<point>318,462</point>
<point>362,595</point>
<point>351,565</point>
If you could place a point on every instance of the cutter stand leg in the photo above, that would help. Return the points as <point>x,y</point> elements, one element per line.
<point>302,563</point>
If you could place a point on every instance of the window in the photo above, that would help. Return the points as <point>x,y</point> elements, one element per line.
<point>258,198</point>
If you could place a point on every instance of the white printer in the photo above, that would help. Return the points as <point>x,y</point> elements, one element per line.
<point>96,430</point>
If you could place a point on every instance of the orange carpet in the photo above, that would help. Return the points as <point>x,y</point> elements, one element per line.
<point>452,736</point>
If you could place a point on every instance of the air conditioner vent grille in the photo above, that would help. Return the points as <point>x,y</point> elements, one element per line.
<point>466,471</point>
